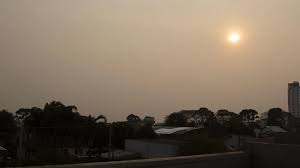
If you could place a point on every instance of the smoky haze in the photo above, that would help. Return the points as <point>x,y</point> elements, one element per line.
<point>147,57</point>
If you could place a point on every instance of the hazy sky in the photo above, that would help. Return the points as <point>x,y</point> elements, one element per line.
<point>148,57</point>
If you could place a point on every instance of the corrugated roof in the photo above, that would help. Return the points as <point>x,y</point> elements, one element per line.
<point>275,129</point>
<point>168,131</point>
<point>2,149</point>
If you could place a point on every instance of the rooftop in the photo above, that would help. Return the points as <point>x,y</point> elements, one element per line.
<point>2,149</point>
<point>168,131</point>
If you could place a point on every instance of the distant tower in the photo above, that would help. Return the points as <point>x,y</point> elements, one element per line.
<point>294,99</point>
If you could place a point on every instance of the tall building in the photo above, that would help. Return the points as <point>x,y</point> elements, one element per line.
<point>294,99</point>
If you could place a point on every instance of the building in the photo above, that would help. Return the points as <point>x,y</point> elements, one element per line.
<point>3,153</point>
<point>235,142</point>
<point>153,148</point>
<point>294,98</point>
<point>258,155</point>
<point>273,130</point>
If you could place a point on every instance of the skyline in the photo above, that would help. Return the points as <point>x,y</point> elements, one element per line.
<point>148,57</point>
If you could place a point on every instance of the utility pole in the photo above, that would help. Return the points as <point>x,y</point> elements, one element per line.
<point>20,151</point>
<point>110,150</point>
<point>239,142</point>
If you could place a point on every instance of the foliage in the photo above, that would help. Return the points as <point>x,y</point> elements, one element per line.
<point>8,131</point>
<point>133,118</point>
<point>275,117</point>
<point>120,132</point>
<point>101,117</point>
<point>176,119</point>
<point>148,121</point>
<point>202,116</point>
<point>249,115</point>
<point>146,132</point>
<point>55,114</point>
<point>56,126</point>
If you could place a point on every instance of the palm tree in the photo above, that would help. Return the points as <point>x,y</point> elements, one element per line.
<point>101,117</point>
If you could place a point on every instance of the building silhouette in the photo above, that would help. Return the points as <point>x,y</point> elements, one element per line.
<point>294,98</point>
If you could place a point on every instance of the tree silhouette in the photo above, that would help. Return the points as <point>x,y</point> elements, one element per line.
<point>8,130</point>
<point>275,117</point>
<point>248,115</point>
<point>225,116</point>
<point>202,115</point>
<point>101,117</point>
<point>176,119</point>
<point>133,120</point>
<point>58,125</point>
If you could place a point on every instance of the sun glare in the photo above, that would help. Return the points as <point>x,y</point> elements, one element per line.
<point>233,37</point>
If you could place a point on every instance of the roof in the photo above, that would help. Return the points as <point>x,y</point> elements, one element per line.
<point>275,129</point>
<point>168,131</point>
<point>2,149</point>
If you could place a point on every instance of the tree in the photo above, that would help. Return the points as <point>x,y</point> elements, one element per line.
<point>57,114</point>
<point>29,117</point>
<point>248,115</point>
<point>101,117</point>
<point>275,117</point>
<point>58,125</point>
<point>146,132</point>
<point>133,119</point>
<point>225,117</point>
<point>8,131</point>
<point>236,126</point>
<point>148,121</point>
<point>176,119</point>
<point>202,116</point>
<point>221,115</point>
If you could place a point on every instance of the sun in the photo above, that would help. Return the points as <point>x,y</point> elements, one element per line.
<point>234,37</point>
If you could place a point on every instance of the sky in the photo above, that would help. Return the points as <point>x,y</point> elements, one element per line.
<point>148,57</point>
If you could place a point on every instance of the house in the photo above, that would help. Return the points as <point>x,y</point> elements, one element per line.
<point>167,145</point>
<point>3,153</point>
<point>235,142</point>
<point>189,133</point>
<point>174,141</point>
<point>272,130</point>
<point>172,130</point>
<point>2,149</point>
<point>153,148</point>
<point>269,131</point>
